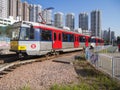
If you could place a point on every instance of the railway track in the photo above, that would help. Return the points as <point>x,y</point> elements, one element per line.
<point>7,58</point>
<point>5,68</point>
<point>8,67</point>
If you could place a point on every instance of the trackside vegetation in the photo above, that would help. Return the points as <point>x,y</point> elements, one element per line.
<point>26,87</point>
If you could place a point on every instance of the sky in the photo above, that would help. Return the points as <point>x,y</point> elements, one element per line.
<point>110,10</point>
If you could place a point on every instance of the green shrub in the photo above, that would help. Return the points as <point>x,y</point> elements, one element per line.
<point>82,86</point>
<point>26,87</point>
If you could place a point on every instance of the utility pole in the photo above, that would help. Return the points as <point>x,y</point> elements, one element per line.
<point>41,16</point>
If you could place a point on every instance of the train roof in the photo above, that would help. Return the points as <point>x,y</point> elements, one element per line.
<point>95,37</point>
<point>36,24</point>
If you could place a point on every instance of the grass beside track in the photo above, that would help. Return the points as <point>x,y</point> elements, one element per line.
<point>89,79</point>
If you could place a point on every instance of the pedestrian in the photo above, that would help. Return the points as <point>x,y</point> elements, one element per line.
<point>87,53</point>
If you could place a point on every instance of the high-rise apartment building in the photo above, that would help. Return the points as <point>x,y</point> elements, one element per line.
<point>38,10</point>
<point>25,9</point>
<point>96,23</point>
<point>19,10</point>
<point>112,35</point>
<point>109,35</point>
<point>70,21</point>
<point>47,16</point>
<point>3,8</point>
<point>34,12</point>
<point>58,19</point>
<point>105,35</point>
<point>12,6</point>
<point>83,21</point>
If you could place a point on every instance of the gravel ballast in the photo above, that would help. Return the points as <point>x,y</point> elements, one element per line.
<point>39,76</point>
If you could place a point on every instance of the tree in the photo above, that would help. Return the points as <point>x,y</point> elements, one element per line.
<point>2,31</point>
<point>9,31</point>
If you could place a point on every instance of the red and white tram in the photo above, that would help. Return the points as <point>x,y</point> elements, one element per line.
<point>39,39</point>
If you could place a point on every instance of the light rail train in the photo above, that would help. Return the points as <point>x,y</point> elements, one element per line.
<point>30,38</point>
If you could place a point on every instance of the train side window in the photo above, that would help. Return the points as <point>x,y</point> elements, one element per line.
<point>45,35</point>
<point>89,39</point>
<point>55,37</point>
<point>31,32</point>
<point>92,40</point>
<point>71,37</point>
<point>59,37</point>
<point>65,37</point>
<point>82,39</point>
<point>79,38</point>
<point>95,40</point>
<point>98,41</point>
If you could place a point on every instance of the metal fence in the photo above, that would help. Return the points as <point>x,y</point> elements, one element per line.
<point>107,62</point>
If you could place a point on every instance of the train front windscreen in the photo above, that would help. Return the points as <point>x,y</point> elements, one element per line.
<point>15,33</point>
<point>26,33</point>
<point>14,39</point>
<point>22,33</point>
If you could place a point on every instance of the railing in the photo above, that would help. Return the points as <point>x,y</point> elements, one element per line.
<point>107,62</point>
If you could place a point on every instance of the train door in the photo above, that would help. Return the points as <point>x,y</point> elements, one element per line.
<point>96,42</point>
<point>87,42</point>
<point>57,40</point>
<point>76,41</point>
